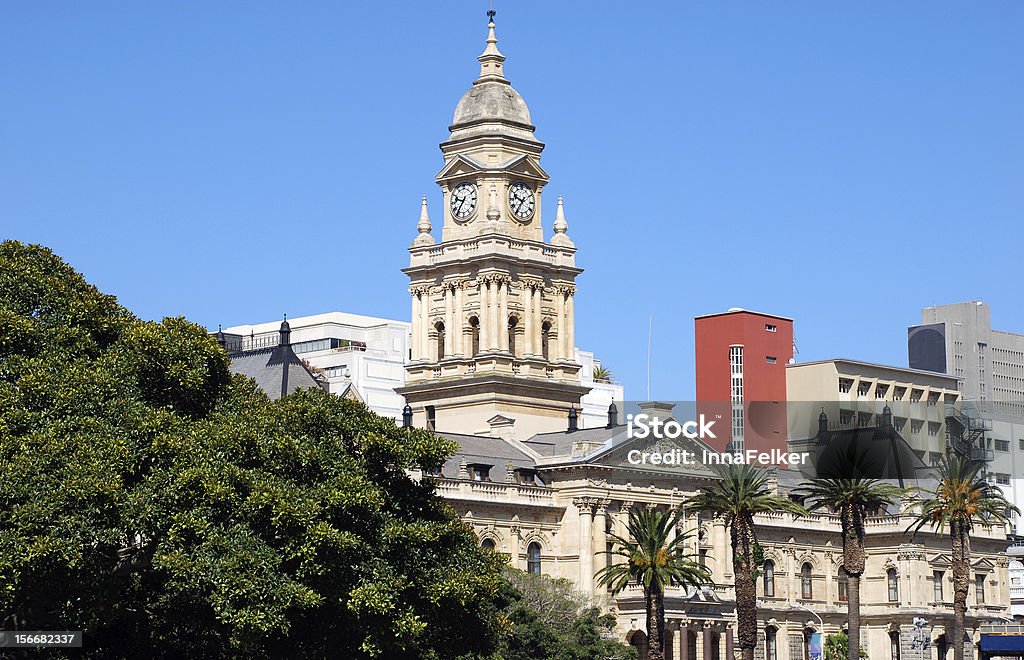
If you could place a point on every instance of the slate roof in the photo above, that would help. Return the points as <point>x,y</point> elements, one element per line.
<point>487,450</point>
<point>278,371</point>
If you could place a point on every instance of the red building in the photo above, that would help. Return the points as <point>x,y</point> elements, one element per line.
<point>741,377</point>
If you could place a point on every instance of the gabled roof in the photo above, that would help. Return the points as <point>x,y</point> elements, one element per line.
<point>276,370</point>
<point>459,165</point>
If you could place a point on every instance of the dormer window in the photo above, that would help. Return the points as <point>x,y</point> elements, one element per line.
<point>526,477</point>
<point>479,472</point>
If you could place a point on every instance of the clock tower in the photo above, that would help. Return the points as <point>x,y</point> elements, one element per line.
<point>492,302</point>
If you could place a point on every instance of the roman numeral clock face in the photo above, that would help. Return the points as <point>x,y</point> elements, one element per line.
<point>463,200</point>
<point>521,201</point>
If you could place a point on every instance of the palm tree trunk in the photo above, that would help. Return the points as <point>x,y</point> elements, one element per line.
<point>746,590</point>
<point>961,580</point>
<point>853,620</point>
<point>654,633</point>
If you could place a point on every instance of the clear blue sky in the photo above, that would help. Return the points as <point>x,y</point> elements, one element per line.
<point>844,164</point>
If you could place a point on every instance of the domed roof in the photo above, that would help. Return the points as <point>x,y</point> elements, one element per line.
<point>491,101</point>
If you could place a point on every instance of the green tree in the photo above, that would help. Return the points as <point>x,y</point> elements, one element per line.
<point>551,620</point>
<point>961,498</point>
<point>740,493</point>
<point>851,496</point>
<point>837,647</point>
<point>652,555</point>
<point>169,510</point>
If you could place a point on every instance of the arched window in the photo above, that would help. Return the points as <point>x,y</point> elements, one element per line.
<point>894,585</point>
<point>545,332</point>
<point>439,326</point>
<point>771,647</point>
<point>512,323</point>
<point>806,586</point>
<point>844,585</point>
<point>769,578</point>
<point>489,544</point>
<point>533,558</point>
<point>474,328</point>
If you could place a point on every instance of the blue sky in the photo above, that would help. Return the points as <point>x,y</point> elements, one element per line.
<point>843,164</point>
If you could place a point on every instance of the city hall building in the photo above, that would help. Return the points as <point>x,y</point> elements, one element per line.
<point>493,368</point>
<point>493,365</point>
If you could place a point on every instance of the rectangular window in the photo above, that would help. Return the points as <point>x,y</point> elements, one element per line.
<point>770,359</point>
<point>863,388</point>
<point>768,327</point>
<point>1002,445</point>
<point>845,385</point>
<point>979,588</point>
<point>937,585</point>
<point>1021,443</point>
<point>1002,479</point>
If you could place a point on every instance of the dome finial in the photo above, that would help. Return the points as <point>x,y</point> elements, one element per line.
<point>491,59</point>
<point>423,226</point>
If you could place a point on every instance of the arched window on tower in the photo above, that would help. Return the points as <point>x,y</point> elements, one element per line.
<point>474,329</point>
<point>769,579</point>
<point>512,323</point>
<point>545,333</point>
<point>806,586</point>
<point>439,326</point>
<point>894,585</point>
<point>844,585</point>
<point>533,558</point>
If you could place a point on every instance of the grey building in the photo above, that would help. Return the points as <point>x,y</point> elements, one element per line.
<point>959,340</point>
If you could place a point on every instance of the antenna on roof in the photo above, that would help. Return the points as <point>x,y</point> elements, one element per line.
<point>650,330</point>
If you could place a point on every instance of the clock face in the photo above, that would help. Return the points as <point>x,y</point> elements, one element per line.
<point>463,200</point>
<point>521,200</point>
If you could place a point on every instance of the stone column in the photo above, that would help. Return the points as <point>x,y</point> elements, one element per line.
<point>417,328</point>
<point>449,320</point>
<point>495,331</point>
<point>707,643</point>
<point>503,316</point>
<point>425,323</point>
<point>485,323</point>
<point>600,538</point>
<point>528,321</point>
<point>684,640</point>
<point>559,345</point>
<point>538,318</point>
<point>730,652</point>
<point>459,330</point>
<point>586,533</point>
<point>517,561</point>
<point>570,328</point>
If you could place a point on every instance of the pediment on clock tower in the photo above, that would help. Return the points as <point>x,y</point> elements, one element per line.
<point>460,165</point>
<point>527,167</point>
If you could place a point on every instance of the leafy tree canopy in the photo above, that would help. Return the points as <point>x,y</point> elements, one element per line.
<point>168,509</point>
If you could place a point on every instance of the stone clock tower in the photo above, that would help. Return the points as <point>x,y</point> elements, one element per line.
<point>492,303</point>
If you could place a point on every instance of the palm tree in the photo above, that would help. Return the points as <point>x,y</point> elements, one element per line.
<point>602,374</point>
<point>740,494</point>
<point>961,498</point>
<point>852,496</point>
<point>654,558</point>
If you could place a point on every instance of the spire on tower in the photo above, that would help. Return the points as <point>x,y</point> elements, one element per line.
<point>560,227</point>
<point>491,59</point>
<point>423,226</point>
